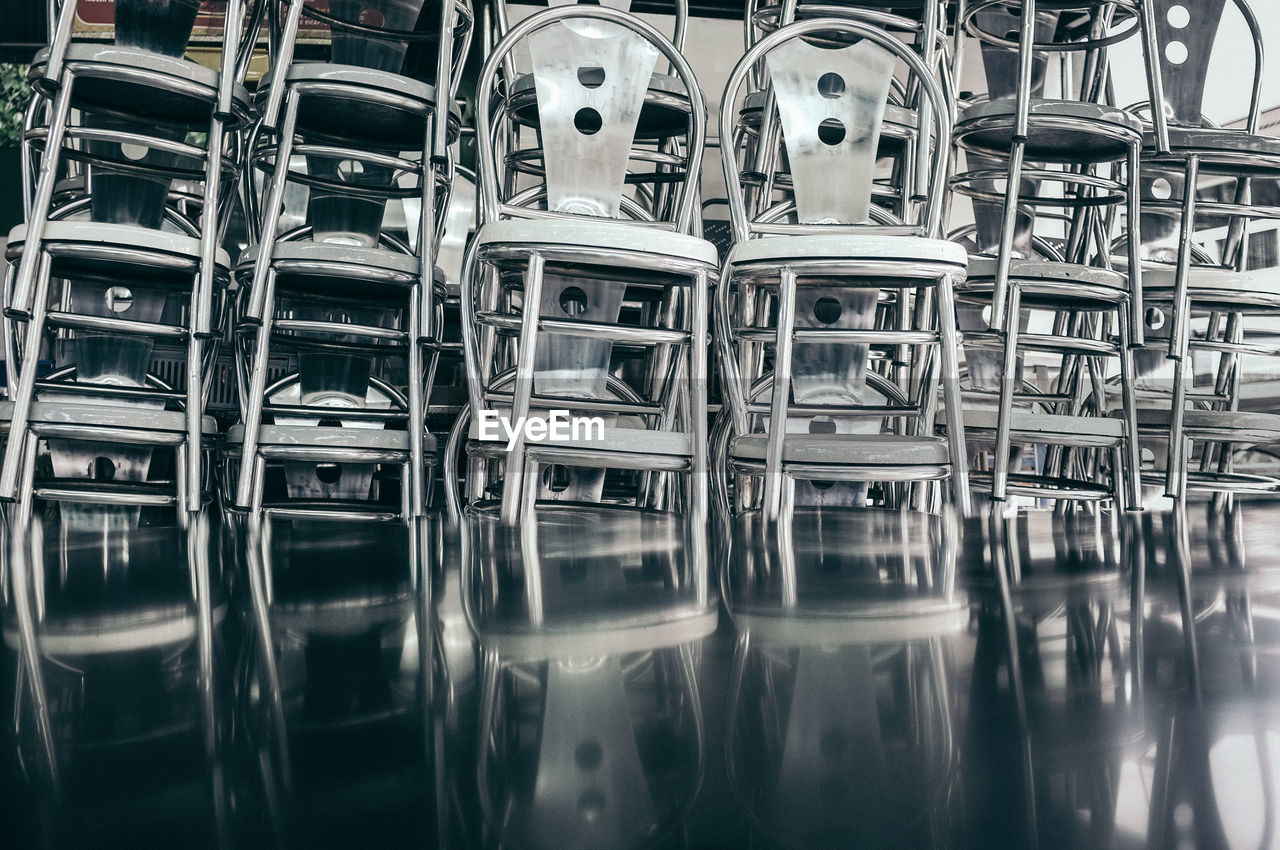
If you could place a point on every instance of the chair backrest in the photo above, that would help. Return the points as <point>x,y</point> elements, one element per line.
<point>680,13</point>
<point>592,66</point>
<point>1186,33</point>
<point>829,104</point>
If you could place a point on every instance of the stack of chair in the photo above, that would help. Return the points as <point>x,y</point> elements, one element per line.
<point>584,290</point>
<point>133,156</point>
<point>834,316</point>
<point>1208,311</point>
<point>1034,165</point>
<point>348,294</point>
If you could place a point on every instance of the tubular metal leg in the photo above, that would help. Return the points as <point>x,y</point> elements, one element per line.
<point>1133,448</point>
<point>1004,419</point>
<point>1175,475</point>
<point>1004,255</point>
<point>523,390</point>
<point>1180,333</point>
<point>273,209</point>
<point>773,473</point>
<point>417,403</point>
<point>254,402</point>
<point>202,298</point>
<point>1133,222</point>
<point>25,390</point>
<point>195,424</point>
<point>951,397</point>
<point>21,303</point>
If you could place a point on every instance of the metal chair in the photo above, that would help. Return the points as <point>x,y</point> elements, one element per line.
<point>123,110</point>
<point>824,290</point>
<point>608,280</point>
<point>341,290</point>
<point>830,605</point>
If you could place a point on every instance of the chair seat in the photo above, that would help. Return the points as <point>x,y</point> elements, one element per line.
<point>607,235</point>
<point>1061,130</point>
<point>1256,154</point>
<point>82,235</point>
<point>1211,285</point>
<point>847,449</point>
<point>141,83</point>
<point>1052,428</point>
<point>326,268</point>
<point>363,104</point>
<point>664,114</point>
<point>1047,283</point>
<point>1238,426</point>
<point>132,417</point>
<point>327,437</point>
<point>851,247</point>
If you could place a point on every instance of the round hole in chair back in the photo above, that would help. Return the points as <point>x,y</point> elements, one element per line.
<point>822,425</point>
<point>588,121</point>
<point>328,473</point>
<point>827,310</point>
<point>102,469</point>
<point>556,478</point>
<point>831,131</point>
<point>1176,52</point>
<point>1161,189</point>
<point>119,299</point>
<point>831,85</point>
<point>591,76</point>
<point>1155,318</point>
<point>1178,17</point>
<point>587,754</point>
<point>349,169</point>
<point>573,301</point>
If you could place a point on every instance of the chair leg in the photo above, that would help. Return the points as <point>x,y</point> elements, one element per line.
<point>273,209</point>
<point>202,300</point>
<point>773,464</point>
<point>513,487</point>
<point>1175,481</point>
<point>1133,222</point>
<point>1133,448</point>
<point>951,399</point>
<point>1004,418</point>
<point>256,397</point>
<point>195,423</point>
<point>24,392</point>
<point>417,424</point>
<point>1181,330</point>
<point>22,303</point>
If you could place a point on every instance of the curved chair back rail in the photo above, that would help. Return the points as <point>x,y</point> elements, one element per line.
<point>588,178</point>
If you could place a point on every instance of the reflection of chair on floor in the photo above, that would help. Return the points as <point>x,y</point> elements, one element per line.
<point>843,620</point>
<point>116,693</point>
<point>1056,688</point>
<point>590,720</point>
<point>343,663</point>
<point>1212,644</point>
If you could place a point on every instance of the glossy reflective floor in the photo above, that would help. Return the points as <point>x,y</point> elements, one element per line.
<point>851,678</point>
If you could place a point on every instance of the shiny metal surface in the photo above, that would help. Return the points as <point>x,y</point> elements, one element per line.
<point>871,678</point>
